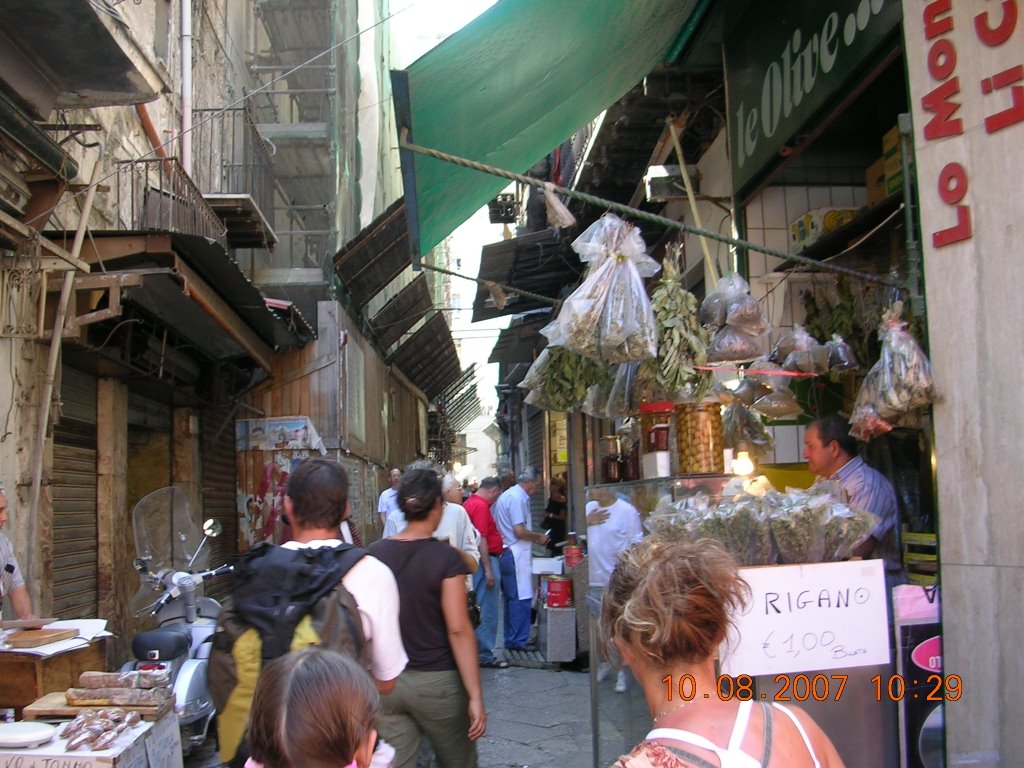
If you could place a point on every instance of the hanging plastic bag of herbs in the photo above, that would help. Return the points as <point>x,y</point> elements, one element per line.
<point>900,382</point>
<point>740,426</point>
<point>841,356</point>
<point>715,308</point>
<point>778,404</point>
<point>801,352</point>
<point>738,319</point>
<point>609,316</point>
<point>559,379</point>
<point>731,345</point>
<point>613,396</point>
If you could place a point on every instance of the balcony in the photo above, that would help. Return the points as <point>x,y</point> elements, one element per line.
<point>155,194</point>
<point>233,168</point>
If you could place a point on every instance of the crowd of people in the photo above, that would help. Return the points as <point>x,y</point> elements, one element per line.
<point>382,638</point>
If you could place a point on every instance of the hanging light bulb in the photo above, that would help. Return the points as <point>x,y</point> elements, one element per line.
<point>742,464</point>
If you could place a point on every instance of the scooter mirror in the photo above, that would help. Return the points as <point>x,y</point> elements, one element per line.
<point>212,528</point>
<point>140,564</point>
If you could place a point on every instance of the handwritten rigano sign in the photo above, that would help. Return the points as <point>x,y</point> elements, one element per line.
<point>804,618</point>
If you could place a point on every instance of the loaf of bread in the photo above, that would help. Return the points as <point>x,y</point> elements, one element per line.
<point>117,697</point>
<point>142,678</point>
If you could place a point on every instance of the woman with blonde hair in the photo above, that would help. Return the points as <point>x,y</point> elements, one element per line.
<point>667,609</point>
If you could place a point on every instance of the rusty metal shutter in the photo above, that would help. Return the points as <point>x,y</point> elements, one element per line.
<point>73,490</point>
<point>219,483</point>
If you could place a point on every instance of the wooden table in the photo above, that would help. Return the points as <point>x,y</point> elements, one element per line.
<point>28,676</point>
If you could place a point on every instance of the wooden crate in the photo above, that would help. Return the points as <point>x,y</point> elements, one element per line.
<point>28,676</point>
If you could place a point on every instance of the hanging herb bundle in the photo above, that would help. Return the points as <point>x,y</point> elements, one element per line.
<point>682,340</point>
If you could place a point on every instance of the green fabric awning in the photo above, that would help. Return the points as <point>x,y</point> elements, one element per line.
<point>511,86</point>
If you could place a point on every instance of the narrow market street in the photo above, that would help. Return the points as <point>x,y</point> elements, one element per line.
<point>536,717</point>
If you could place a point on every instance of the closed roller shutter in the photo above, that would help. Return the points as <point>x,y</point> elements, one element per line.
<point>535,458</point>
<point>219,471</point>
<point>73,490</point>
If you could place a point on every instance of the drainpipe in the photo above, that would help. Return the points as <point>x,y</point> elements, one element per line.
<point>51,364</point>
<point>186,86</point>
<point>150,130</point>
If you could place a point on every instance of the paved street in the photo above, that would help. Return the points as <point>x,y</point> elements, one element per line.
<point>536,717</point>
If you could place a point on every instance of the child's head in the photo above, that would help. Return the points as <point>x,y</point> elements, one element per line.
<point>313,708</point>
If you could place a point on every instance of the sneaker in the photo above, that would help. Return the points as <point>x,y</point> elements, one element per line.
<point>603,670</point>
<point>620,682</point>
<point>494,663</point>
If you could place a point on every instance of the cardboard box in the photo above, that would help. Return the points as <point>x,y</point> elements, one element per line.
<point>874,180</point>
<point>816,223</point>
<point>892,156</point>
<point>547,565</point>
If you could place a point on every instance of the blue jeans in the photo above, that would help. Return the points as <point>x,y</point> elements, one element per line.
<point>518,613</point>
<point>487,599</point>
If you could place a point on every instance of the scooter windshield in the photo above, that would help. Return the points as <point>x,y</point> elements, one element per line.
<point>167,535</point>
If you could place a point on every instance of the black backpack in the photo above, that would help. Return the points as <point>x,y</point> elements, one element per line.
<point>273,589</point>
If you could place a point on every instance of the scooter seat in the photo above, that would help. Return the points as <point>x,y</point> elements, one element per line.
<point>161,644</point>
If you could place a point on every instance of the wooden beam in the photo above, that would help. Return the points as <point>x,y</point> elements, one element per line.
<point>96,250</point>
<point>49,248</point>
<point>226,317</point>
<point>114,539</point>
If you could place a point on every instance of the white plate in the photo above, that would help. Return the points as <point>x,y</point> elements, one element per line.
<point>25,734</point>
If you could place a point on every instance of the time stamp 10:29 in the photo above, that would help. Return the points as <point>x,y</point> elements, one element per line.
<point>818,687</point>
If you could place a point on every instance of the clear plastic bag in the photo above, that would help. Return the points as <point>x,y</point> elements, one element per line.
<point>845,528</point>
<point>798,527</point>
<point>745,315</point>
<point>764,372</point>
<point>731,345</point>
<point>898,383</point>
<point>840,355</point>
<point>778,404</point>
<point>613,397</point>
<point>801,352</point>
<point>714,310</point>
<point>740,425</point>
<point>609,316</point>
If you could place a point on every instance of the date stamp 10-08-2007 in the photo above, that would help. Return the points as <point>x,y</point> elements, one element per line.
<point>817,687</point>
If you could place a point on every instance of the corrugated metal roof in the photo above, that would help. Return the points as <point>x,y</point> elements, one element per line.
<point>517,342</point>
<point>540,262</point>
<point>375,256</point>
<point>401,312</point>
<point>428,357</point>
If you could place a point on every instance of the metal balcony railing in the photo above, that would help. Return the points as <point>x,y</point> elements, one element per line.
<point>229,157</point>
<point>157,194</point>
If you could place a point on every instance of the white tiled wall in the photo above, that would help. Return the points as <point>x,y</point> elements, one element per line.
<point>768,217</point>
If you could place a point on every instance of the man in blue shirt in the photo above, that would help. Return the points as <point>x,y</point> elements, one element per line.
<point>831,453</point>
<point>512,516</point>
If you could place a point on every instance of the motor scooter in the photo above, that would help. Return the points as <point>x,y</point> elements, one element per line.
<point>171,562</point>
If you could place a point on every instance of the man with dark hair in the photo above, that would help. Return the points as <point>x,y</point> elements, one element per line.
<point>485,580</point>
<point>831,453</point>
<point>512,515</point>
<point>316,502</point>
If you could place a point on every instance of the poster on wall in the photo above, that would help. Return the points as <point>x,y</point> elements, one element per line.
<point>263,478</point>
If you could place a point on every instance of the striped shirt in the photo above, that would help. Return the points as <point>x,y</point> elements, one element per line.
<point>869,490</point>
<point>10,573</point>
